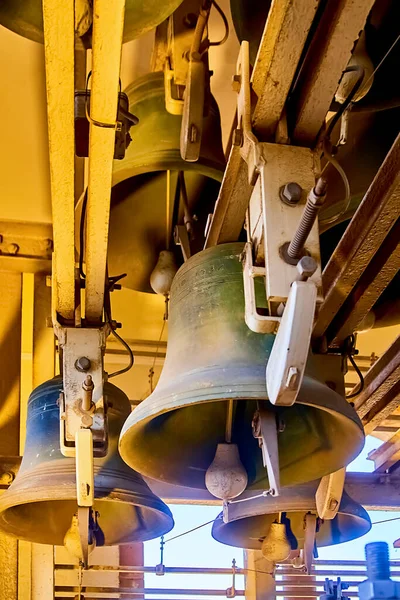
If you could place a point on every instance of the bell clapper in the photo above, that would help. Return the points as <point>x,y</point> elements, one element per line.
<point>226,477</point>
<point>265,430</point>
<point>276,546</point>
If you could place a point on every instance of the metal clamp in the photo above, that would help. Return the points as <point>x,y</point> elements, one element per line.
<point>76,412</point>
<point>287,361</point>
<point>254,320</point>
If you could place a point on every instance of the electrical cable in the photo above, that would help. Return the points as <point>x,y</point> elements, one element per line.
<point>189,531</point>
<point>128,348</point>
<point>151,370</point>
<point>347,199</point>
<point>349,348</point>
<point>81,234</point>
<point>380,62</point>
<point>226,25</point>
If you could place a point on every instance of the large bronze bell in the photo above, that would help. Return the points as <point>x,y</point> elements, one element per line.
<point>40,503</point>
<point>213,357</point>
<point>352,521</point>
<point>139,223</point>
<point>25,17</point>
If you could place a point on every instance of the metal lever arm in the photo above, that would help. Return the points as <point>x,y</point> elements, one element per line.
<point>329,494</point>
<point>286,364</point>
<point>265,430</point>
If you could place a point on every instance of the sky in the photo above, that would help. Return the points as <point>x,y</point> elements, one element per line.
<point>200,549</point>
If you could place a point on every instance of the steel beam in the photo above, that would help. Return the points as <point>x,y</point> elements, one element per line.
<point>326,59</point>
<point>106,61</point>
<point>281,46</point>
<point>367,232</point>
<point>58,20</point>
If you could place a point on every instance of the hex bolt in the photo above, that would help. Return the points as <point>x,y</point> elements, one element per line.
<point>377,558</point>
<point>82,364</point>
<point>315,200</point>
<point>291,193</point>
<point>306,268</point>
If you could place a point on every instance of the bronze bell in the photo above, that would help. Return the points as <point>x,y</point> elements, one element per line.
<point>25,17</point>
<point>40,504</point>
<point>140,220</point>
<point>352,521</point>
<point>212,358</point>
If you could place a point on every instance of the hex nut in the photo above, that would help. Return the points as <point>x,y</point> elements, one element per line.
<point>369,590</point>
<point>306,267</point>
<point>87,420</point>
<point>291,193</point>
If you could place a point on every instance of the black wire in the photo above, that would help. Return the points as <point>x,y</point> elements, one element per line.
<point>350,343</point>
<point>346,103</point>
<point>81,234</point>
<point>107,312</point>
<point>226,25</point>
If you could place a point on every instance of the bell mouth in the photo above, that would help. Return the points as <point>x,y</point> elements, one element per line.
<point>39,506</point>
<point>173,434</point>
<point>250,532</point>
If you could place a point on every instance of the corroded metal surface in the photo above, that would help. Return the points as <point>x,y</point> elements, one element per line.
<point>39,505</point>
<point>213,357</point>
<point>351,522</point>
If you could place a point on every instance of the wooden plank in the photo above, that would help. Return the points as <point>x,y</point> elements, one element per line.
<point>233,199</point>
<point>381,394</point>
<point>376,215</point>
<point>327,57</point>
<point>281,46</point>
<point>387,455</point>
<point>379,273</point>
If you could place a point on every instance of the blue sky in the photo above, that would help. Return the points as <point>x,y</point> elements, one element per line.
<point>199,548</point>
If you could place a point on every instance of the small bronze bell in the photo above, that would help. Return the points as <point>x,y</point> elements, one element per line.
<point>40,504</point>
<point>25,17</point>
<point>212,359</point>
<point>352,521</point>
<point>144,205</point>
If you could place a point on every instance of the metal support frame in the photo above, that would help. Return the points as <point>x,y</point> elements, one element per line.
<point>106,60</point>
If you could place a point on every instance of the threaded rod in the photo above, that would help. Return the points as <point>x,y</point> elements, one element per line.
<point>377,557</point>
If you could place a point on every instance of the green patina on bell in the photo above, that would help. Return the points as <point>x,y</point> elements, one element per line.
<point>138,219</point>
<point>213,357</point>
<point>40,503</point>
<point>25,17</point>
<point>351,522</point>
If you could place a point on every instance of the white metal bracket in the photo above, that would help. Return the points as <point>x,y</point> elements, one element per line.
<point>255,321</point>
<point>265,430</point>
<point>287,361</point>
<point>89,343</point>
<point>329,494</point>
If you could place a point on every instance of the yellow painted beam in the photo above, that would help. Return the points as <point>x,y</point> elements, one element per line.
<point>106,61</point>
<point>58,20</point>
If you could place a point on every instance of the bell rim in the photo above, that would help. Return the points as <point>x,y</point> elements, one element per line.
<point>363,522</point>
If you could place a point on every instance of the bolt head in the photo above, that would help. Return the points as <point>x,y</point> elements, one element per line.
<point>306,266</point>
<point>86,420</point>
<point>291,193</point>
<point>82,364</point>
<point>12,248</point>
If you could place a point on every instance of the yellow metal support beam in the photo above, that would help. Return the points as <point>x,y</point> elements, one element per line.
<point>106,61</point>
<point>58,20</point>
